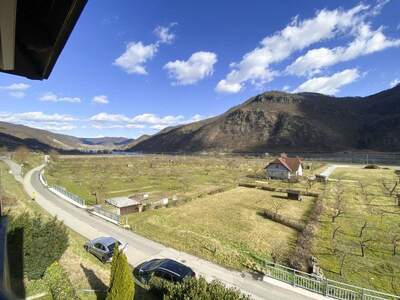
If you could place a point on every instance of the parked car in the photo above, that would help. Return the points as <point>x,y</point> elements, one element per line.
<point>167,269</point>
<point>102,248</point>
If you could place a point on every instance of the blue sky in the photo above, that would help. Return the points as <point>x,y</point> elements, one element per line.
<point>139,66</point>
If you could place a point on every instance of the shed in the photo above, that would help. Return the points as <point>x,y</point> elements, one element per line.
<point>294,195</point>
<point>125,205</point>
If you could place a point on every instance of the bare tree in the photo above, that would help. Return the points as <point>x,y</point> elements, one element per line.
<point>277,204</point>
<point>362,230</point>
<point>339,205</point>
<point>342,259</point>
<point>363,242</point>
<point>365,195</point>
<point>335,231</point>
<point>389,188</point>
<point>309,183</point>
<point>395,239</point>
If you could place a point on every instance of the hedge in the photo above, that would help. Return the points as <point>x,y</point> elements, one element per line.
<point>42,242</point>
<point>59,284</point>
<point>194,288</point>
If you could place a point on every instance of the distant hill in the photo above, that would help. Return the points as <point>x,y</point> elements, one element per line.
<point>14,135</point>
<point>278,121</point>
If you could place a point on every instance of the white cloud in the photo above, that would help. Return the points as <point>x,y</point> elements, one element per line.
<point>142,121</point>
<point>329,84</point>
<point>255,65</point>
<point>16,90</point>
<point>285,88</point>
<point>100,99</point>
<point>394,82</point>
<point>51,97</point>
<point>366,42</point>
<point>135,56</point>
<point>154,119</point>
<point>164,34</point>
<point>106,117</point>
<point>197,67</point>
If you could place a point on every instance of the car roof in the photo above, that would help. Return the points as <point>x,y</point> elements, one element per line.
<point>168,265</point>
<point>104,240</point>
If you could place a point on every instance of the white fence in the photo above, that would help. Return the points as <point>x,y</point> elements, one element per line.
<point>107,215</point>
<point>70,197</point>
<point>326,287</point>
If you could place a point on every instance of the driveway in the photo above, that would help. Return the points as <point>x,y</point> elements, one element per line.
<point>140,249</point>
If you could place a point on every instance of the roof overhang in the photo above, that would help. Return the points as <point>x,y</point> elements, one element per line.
<point>33,34</point>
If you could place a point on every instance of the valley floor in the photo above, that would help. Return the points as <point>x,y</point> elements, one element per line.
<point>221,222</point>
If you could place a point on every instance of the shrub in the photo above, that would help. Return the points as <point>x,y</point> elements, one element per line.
<point>282,220</point>
<point>59,284</point>
<point>194,288</point>
<point>301,258</point>
<point>42,242</point>
<point>121,280</point>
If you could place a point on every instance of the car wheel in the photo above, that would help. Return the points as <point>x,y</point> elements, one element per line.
<point>86,248</point>
<point>103,259</point>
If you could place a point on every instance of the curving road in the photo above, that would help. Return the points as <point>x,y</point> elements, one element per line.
<point>141,249</point>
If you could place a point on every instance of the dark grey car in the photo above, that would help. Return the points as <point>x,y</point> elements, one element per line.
<point>167,269</point>
<point>102,247</point>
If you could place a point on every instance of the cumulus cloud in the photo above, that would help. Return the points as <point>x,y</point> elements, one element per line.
<point>36,116</point>
<point>100,99</point>
<point>51,97</point>
<point>329,85</point>
<point>366,42</point>
<point>164,34</point>
<point>135,56</point>
<point>109,121</point>
<point>106,117</point>
<point>16,90</point>
<point>254,67</point>
<point>394,82</point>
<point>197,67</point>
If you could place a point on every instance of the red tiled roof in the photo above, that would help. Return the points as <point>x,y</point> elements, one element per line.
<point>290,163</point>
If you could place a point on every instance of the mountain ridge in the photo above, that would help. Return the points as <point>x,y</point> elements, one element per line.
<point>280,121</point>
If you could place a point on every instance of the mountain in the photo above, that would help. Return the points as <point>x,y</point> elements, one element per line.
<point>278,121</point>
<point>14,135</point>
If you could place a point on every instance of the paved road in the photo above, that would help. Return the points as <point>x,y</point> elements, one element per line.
<point>141,249</point>
<point>329,170</point>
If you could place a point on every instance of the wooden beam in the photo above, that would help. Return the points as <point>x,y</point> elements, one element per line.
<point>8,12</point>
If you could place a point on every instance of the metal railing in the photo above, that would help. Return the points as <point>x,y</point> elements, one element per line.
<point>323,286</point>
<point>70,195</point>
<point>108,214</point>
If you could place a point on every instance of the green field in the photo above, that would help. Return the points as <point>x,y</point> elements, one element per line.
<point>218,221</point>
<point>379,268</point>
<point>226,227</point>
<point>160,176</point>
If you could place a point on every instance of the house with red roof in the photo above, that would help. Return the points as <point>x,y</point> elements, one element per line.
<point>284,167</point>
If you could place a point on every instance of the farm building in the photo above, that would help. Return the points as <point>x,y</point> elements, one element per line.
<point>125,205</point>
<point>284,167</point>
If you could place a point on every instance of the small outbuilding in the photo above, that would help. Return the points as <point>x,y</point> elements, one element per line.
<point>284,167</point>
<point>125,205</point>
<point>294,195</point>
